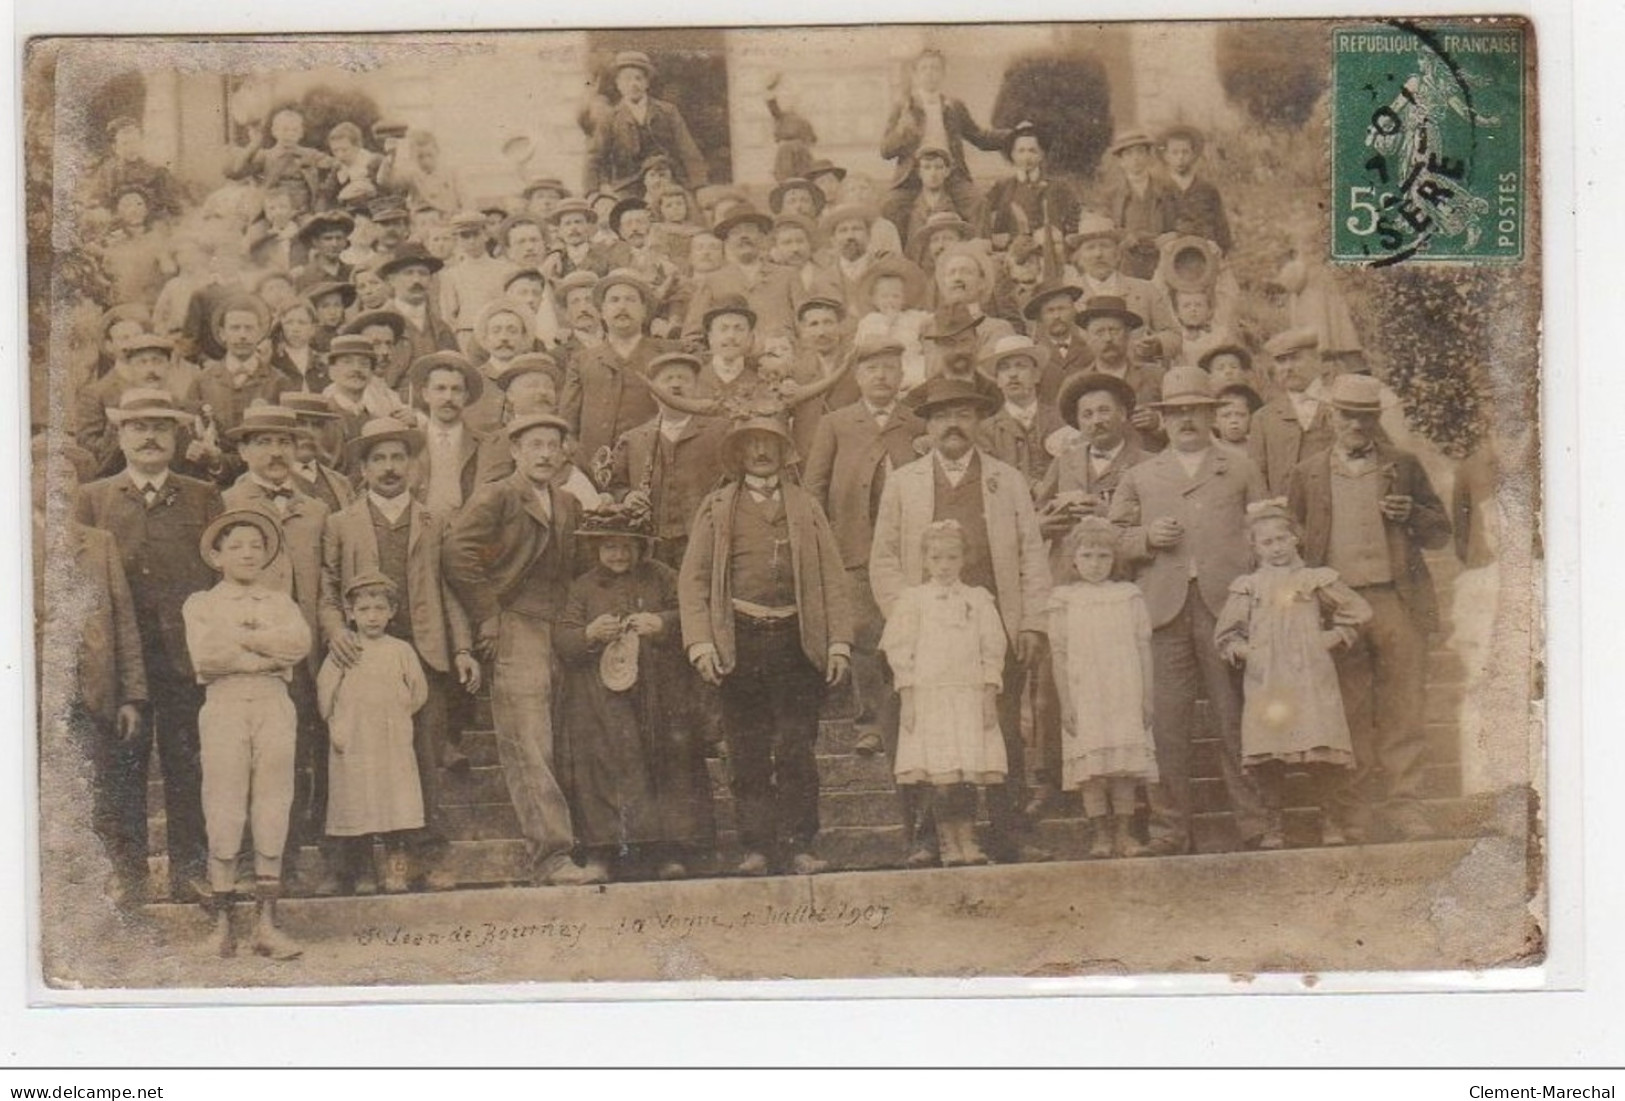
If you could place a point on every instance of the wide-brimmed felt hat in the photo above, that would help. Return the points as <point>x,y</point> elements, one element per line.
<point>622,208</point>
<point>1183,386</point>
<point>1011,347</point>
<point>1205,361</point>
<point>844,212</point>
<point>142,404</point>
<point>1109,305</point>
<point>1291,340</point>
<point>409,254</point>
<point>1246,393</point>
<point>473,378</point>
<point>345,291</point>
<point>571,206</point>
<point>531,363</point>
<point>621,277</point>
<point>266,418</point>
<point>350,344</point>
<point>775,198</point>
<point>241,303</point>
<point>945,324</point>
<point>1356,394</point>
<point>942,392</point>
<point>740,216</point>
<point>1046,291</point>
<point>360,321</point>
<point>325,222</point>
<point>915,287</point>
<point>633,59</point>
<point>1089,382</point>
<point>825,167</point>
<point>520,425</point>
<point>1092,227</point>
<point>382,429</point>
<point>306,404</point>
<point>1186,131</point>
<point>267,524</point>
<point>729,304</point>
<point>742,427</point>
<point>669,359</point>
<point>1128,139</point>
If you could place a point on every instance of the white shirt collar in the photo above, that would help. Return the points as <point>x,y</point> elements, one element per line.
<point>1192,461</point>
<point>142,481</point>
<point>728,372</point>
<point>1024,417</point>
<point>762,487</point>
<point>391,507</point>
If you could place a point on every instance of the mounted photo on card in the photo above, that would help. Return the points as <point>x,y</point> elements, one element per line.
<point>699,506</point>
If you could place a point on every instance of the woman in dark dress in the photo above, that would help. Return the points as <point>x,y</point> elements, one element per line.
<point>636,778</point>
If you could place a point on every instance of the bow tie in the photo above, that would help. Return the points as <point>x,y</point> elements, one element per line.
<point>764,486</point>
<point>1363,452</point>
<point>285,493</point>
<point>1102,456</point>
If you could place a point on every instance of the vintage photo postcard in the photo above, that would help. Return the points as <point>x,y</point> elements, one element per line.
<point>697,505</point>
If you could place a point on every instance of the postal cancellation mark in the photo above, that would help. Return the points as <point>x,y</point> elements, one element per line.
<point>1428,142</point>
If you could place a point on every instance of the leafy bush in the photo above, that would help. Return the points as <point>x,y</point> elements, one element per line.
<point>1067,96</point>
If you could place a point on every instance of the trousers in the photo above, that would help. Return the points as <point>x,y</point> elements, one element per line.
<point>172,716</point>
<point>770,705</point>
<point>247,732</point>
<point>1383,678</point>
<point>522,712</point>
<point>1184,665</point>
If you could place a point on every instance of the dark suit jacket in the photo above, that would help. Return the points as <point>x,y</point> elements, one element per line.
<point>497,538</point>
<point>804,421</point>
<point>227,403</point>
<point>100,618</point>
<point>773,298</point>
<point>350,548</point>
<point>605,395</point>
<point>1073,472</point>
<point>905,129</point>
<point>330,487</point>
<point>1049,202</point>
<point>677,487</point>
<point>1199,211</point>
<point>159,548</point>
<point>297,571</point>
<point>845,470</point>
<point>619,145</point>
<point>1079,355</point>
<point>1212,508</point>
<point>1005,439</point>
<point>1277,443</point>
<point>484,458</point>
<point>1309,494</point>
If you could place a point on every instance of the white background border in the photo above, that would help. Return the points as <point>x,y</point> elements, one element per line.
<point>1579,1019</point>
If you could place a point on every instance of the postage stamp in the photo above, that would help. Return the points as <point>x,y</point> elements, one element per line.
<point>1428,160</point>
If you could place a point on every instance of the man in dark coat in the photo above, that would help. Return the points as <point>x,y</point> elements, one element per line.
<point>636,128</point>
<point>926,117</point>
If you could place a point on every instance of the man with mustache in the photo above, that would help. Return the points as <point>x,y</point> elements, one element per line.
<point>456,457</point>
<point>1183,515</point>
<point>386,531</point>
<point>767,288</point>
<point>410,273</point>
<point>1097,255</point>
<point>1004,554</point>
<point>155,516</point>
<point>605,392</point>
<point>1110,326</point>
<point>242,376</point>
<point>1052,313</point>
<point>266,441</point>
<point>316,454</point>
<point>503,333</point>
<point>509,557</point>
<point>142,361</point>
<point>575,299</point>
<point>573,222</point>
<point>636,128</point>
<point>471,278</point>
<point>848,227</point>
<point>1296,423</point>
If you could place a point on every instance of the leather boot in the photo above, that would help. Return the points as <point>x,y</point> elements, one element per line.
<point>268,939</point>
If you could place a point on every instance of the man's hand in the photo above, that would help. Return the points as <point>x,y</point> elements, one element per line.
<point>1145,419</point>
<point>345,648</point>
<point>406,416</point>
<point>1396,507</point>
<point>1164,533</point>
<point>1029,647</point>
<point>199,452</point>
<point>485,643</point>
<point>1237,654</point>
<point>705,664</point>
<point>839,664</point>
<point>129,721</point>
<point>645,624</point>
<point>468,671</point>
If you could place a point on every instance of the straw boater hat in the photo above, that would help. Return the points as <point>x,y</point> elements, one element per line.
<point>351,344</point>
<point>1357,394</point>
<point>842,212</point>
<point>468,219</point>
<point>571,206</point>
<point>520,425</point>
<point>740,216</point>
<point>885,347</point>
<point>325,222</point>
<point>408,255</point>
<point>1128,139</point>
<point>531,363</point>
<point>1108,305</point>
<point>142,404</point>
<point>941,393</point>
<point>382,429</point>
<point>775,198</point>
<point>915,288</point>
<point>1185,386</point>
<point>1045,292</point>
<point>818,302</point>
<point>1076,386</point>
<point>1207,357</point>
<point>1092,227</point>
<point>545,183</point>
<point>312,406</point>
<point>1008,348</point>
<point>1292,340</point>
<point>147,342</point>
<point>633,59</point>
<point>266,418</point>
<point>473,379</point>
<point>264,521</point>
<point>392,318</point>
<point>730,304</point>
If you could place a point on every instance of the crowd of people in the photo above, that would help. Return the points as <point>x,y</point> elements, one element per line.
<point>669,468</point>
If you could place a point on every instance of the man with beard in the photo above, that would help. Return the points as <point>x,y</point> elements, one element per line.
<point>1110,326</point>
<point>636,128</point>
<point>316,454</point>
<point>1184,518</point>
<point>1053,313</point>
<point>633,223</point>
<point>388,532</point>
<point>605,392</point>
<point>746,274</point>
<point>509,558</point>
<point>502,332</point>
<point>456,457</point>
<point>573,222</point>
<point>847,227</point>
<point>409,273</point>
<point>1004,554</point>
<point>471,279</point>
<point>154,516</point>
<point>266,441</point>
<point>821,350</point>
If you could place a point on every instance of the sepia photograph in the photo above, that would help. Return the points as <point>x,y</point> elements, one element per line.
<point>693,505</point>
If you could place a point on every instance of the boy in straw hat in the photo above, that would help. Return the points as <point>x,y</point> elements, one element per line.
<point>1140,203</point>
<point>245,640</point>
<point>637,127</point>
<point>1183,515</point>
<point>767,618</point>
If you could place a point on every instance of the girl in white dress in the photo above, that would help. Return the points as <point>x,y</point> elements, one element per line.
<point>373,782</point>
<point>1100,643</point>
<point>945,643</point>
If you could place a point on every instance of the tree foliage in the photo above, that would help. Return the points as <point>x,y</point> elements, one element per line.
<point>1274,71</point>
<point>1067,96</point>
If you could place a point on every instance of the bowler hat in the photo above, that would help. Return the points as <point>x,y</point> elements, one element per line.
<point>740,216</point>
<point>382,429</point>
<point>266,418</point>
<point>473,380</point>
<point>624,207</point>
<point>730,304</point>
<point>142,404</point>
<point>1109,305</point>
<point>531,363</point>
<point>147,342</point>
<point>1128,139</point>
<point>1185,385</point>
<point>1291,340</point>
<point>1076,386</point>
<point>824,167</point>
<point>1047,291</point>
<point>270,529</point>
<point>1357,394</point>
<point>1245,393</point>
<point>942,392</point>
<point>410,254</point>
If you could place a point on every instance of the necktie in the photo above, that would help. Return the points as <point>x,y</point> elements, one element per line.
<point>149,493</point>
<point>283,493</point>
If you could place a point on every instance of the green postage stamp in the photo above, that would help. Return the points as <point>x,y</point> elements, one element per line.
<point>1428,145</point>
